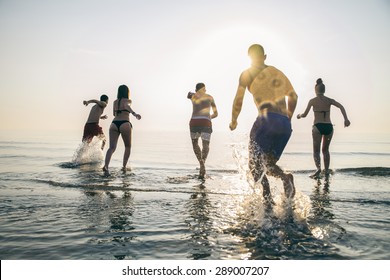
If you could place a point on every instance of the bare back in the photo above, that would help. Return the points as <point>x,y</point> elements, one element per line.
<point>122,109</point>
<point>201,104</point>
<point>321,108</point>
<point>269,87</point>
<point>96,112</point>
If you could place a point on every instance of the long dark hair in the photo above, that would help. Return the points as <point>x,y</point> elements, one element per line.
<point>123,92</point>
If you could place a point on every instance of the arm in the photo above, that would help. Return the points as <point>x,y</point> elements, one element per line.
<point>214,107</point>
<point>190,95</point>
<point>237,103</point>
<point>137,116</point>
<point>341,107</point>
<point>100,103</point>
<point>292,99</point>
<point>309,105</point>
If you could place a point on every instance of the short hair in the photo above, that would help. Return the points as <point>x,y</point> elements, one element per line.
<point>123,92</point>
<point>104,98</point>
<point>256,50</point>
<point>199,86</point>
<point>320,85</point>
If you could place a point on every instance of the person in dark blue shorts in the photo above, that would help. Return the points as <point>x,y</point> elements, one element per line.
<point>275,99</point>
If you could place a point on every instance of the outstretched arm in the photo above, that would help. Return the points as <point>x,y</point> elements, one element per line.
<point>309,105</point>
<point>102,104</point>
<point>342,109</point>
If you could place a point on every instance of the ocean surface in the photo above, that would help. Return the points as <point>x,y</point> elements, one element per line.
<point>56,203</point>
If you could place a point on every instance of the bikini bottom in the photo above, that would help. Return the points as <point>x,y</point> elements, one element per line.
<point>119,123</point>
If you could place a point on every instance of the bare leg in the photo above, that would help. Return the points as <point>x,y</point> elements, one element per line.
<point>125,130</point>
<point>205,149</point>
<point>114,135</point>
<point>287,178</point>
<point>205,152</point>
<point>198,154</point>
<point>257,169</point>
<point>325,151</point>
<point>317,137</point>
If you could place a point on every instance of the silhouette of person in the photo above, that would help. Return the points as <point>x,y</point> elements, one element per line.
<point>272,128</point>
<point>322,128</point>
<point>200,123</point>
<point>121,126</point>
<point>92,128</point>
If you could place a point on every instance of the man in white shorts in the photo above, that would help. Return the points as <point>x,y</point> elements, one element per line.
<point>200,123</point>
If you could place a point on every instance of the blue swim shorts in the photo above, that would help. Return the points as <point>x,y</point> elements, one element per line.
<point>270,134</point>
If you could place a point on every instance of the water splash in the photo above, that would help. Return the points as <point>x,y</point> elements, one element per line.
<point>88,153</point>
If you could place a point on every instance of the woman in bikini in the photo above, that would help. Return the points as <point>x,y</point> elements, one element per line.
<point>121,126</point>
<point>322,128</point>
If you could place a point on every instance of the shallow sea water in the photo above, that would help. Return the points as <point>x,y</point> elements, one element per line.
<point>56,203</point>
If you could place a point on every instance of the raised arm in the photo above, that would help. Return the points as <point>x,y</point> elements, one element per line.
<point>102,104</point>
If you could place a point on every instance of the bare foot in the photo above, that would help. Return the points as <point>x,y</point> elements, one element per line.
<point>105,170</point>
<point>316,174</point>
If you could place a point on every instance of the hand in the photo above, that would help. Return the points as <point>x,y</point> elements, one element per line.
<point>190,94</point>
<point>233,125</point>
<point>85,103</point>
<point>299,116</point>
<point>138,116</point>
<point>347,123</point>
<point>104,117</point>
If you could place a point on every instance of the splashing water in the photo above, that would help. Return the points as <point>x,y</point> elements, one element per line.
<point>88,152</point>
<point>255,207</point>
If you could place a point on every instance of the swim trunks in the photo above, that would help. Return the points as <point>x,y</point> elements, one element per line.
<point>201,127</point>
<point>91,130</point>
<point>270,134</point>
<point>324,128</point>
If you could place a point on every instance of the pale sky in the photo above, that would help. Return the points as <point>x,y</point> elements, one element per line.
<point>55,54</point>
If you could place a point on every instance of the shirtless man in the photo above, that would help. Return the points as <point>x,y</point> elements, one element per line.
<point>92,127</point>
<point>272,128</point>
<point>200,123</point>
<point>322,128</point>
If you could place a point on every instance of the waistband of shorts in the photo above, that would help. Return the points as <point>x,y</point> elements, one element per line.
<point>273,115</point>
<point>200,122</point>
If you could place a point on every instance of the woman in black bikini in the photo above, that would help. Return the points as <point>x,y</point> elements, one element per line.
<point>323,127</point>
<point>121,126</point>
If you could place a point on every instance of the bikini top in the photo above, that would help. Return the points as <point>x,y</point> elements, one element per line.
<point>324,112</point>
<point>120,111</point>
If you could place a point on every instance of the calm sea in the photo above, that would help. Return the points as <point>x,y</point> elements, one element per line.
<point>56,203</point>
